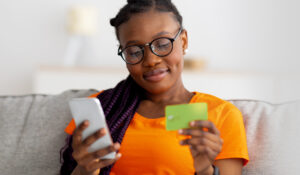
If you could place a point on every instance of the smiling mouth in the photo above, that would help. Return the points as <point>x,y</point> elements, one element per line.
<point>156,75</point>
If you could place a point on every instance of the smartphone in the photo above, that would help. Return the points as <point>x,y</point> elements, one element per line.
<point>90,109</point>
<point>179,116</point>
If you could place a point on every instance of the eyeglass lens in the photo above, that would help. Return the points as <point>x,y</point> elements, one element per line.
<point>160,47</point>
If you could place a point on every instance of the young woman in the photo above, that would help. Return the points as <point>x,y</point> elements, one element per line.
<point>152,44</point>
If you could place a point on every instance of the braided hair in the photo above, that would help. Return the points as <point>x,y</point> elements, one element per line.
<point>121,102</point>
<point>141,6</point>
<point>119,105</point>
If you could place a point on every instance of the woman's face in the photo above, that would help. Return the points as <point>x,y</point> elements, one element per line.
<point>155,74</point>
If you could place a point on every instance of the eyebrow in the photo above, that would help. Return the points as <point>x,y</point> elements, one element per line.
<point>155,36</point>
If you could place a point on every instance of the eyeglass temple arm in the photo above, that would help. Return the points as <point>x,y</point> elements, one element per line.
<point>179,32</point>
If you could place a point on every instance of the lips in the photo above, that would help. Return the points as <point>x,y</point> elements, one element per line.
<point>156,74</point>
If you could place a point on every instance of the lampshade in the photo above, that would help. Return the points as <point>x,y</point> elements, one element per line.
<point>82,20</point>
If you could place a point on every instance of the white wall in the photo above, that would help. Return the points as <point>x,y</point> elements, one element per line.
<point>251,35</point>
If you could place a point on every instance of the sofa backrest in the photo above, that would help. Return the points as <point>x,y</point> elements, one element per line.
<point>31,132</point>
<point>272,136</point>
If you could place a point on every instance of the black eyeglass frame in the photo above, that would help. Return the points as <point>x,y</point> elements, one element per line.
<point>142,47</point>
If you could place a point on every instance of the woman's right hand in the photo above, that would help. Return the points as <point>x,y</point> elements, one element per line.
<point>90,163</point>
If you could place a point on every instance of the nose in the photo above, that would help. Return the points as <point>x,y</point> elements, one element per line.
<point>150,59</point>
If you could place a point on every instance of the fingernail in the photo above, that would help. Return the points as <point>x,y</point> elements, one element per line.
<point>117,146</point>
<point>119,155</point>
<point>180,131</point>
<point>192,123</point>
<point>100,132</point>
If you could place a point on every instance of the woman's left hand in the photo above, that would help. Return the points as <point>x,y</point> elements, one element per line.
<point>204,145</point>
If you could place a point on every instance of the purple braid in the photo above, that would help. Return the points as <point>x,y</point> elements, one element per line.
<point>119,105</point>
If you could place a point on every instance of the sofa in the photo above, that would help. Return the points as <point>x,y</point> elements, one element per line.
<point>32,133</point>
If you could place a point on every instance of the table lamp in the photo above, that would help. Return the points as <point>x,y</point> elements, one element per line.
<point>82,25</point>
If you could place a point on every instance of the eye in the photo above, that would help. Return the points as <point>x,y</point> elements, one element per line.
<point>135,54</point>
<point>162,44</point>
<point>133,51</point>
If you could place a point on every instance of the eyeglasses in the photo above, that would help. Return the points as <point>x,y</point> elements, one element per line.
<point>161,47</point>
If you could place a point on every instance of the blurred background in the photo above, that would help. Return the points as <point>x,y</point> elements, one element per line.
<point>237,49</point>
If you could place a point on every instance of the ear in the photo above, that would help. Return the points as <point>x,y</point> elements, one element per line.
<point>184,39</point>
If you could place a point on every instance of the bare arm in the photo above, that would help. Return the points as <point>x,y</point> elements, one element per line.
<point>230,166</point>
<point>226,167</point>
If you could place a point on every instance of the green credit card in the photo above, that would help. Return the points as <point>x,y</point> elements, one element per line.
<point>179,116</point>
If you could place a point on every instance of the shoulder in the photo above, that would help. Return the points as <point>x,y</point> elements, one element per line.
<point>219,110</point>
<point>96,94</point>
<point>212,101</point>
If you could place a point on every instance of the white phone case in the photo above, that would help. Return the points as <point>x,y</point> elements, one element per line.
<point>90,109</point>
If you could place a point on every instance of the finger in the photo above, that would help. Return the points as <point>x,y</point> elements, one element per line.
<point>77,135</point>
<point>203,150</point>
<point>107,150</point>
<point>205,124</point>
<point>78,154</point>
<point>211,154</point>
<point>92,138</point>
<point>193,132</point>
<point>103,163</point>
<point>197,149</point>
<point>200,141</point>
<point>96,155</point>
<point>200,133</point>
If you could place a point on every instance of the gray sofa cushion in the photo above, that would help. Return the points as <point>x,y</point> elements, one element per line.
<point>32,132</point>
<point>272,136</point>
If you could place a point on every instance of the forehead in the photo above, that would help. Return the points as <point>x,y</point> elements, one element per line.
<point>142,27</point>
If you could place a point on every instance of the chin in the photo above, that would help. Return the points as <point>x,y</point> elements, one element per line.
<point>156,88</point>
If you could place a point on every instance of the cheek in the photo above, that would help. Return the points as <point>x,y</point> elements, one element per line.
<point>131,69</point>
<point>134,70</point>
<point>176,60</point>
